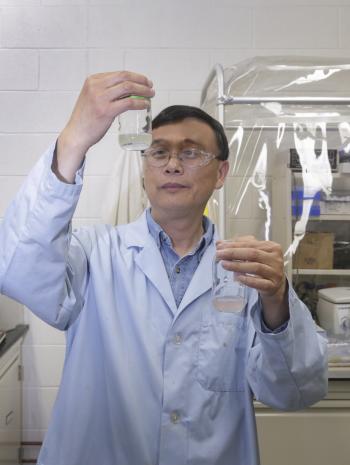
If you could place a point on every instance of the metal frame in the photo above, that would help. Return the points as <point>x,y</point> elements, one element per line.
<point>222,100</point>
<point>218,72</point>
<point>288,100</point>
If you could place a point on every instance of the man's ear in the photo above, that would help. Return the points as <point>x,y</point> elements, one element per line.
<point>222,173</point>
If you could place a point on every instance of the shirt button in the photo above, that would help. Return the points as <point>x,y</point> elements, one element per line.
<point>175,417</point>
<point>177,269</point>
<point>177,339</point>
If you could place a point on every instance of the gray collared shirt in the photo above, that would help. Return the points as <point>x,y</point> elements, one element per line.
<point>179,269</point>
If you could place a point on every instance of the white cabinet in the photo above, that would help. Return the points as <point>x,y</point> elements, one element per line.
<point>318,435</point>
<point>10,405</point>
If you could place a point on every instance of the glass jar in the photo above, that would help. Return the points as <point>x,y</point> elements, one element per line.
<point>135,128</point>
<point>228,294</point>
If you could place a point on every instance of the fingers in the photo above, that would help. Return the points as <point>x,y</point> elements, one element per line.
<point>272,270</point>
<point>258,264</point>
<point>108,92</point>
<point>127,88</point>
<point>112,78</point>
<point>264,286</point>
<point>120,84</point>
<point>249,250</point>
<point>267,279</point>
<point>247,267</point>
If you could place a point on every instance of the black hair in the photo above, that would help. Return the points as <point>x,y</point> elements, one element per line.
<point>177,113</point>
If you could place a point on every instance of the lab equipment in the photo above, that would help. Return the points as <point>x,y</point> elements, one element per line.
<point>333,310</point>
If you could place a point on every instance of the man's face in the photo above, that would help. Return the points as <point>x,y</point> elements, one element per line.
<point>175,189</point>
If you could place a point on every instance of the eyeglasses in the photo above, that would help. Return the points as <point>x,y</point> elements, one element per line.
<point>191,157</point>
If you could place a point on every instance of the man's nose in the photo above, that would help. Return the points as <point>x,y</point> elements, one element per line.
<point>174,164</point>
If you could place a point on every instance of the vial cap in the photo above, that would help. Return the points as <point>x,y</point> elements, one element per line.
<point>139,96</point>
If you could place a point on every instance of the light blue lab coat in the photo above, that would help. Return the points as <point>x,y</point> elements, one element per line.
<point>145,382</point>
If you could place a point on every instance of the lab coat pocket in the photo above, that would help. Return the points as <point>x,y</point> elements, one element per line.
<point>222,354</point>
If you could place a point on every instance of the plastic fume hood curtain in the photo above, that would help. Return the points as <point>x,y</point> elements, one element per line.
<point>275,90</point>
<point>287,120</point>
<point>125,198</point>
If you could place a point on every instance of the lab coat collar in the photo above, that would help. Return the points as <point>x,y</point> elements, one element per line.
<point>201,281</point>
<point>149,258</point>
<point>151,263</point>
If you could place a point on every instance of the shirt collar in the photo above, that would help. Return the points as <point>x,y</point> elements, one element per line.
<point>161,237</point>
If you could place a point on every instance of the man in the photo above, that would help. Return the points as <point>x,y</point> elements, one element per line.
<point>153,374</point>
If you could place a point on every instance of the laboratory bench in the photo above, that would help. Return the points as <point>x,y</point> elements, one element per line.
<point>318,435</point>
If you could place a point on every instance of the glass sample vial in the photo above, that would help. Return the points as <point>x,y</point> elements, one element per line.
<point>228,294</point>
<point>135,128</point>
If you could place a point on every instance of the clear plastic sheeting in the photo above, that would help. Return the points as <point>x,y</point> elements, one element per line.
<point>288,125</point>
<point>273,90</point>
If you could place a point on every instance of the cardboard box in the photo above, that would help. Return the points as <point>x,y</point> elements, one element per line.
<point>315,251</point>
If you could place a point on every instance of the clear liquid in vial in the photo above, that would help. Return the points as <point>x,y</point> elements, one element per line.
<point>229,304</point>
<point>135,141</point>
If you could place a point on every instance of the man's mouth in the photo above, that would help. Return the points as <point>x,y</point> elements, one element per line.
<point>173,185</point>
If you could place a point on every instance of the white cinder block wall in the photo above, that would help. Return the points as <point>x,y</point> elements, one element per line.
<point>48,47</point>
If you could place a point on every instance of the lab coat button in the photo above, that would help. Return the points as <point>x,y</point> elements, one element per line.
<point>177,339</point>
<point>175,417</point>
